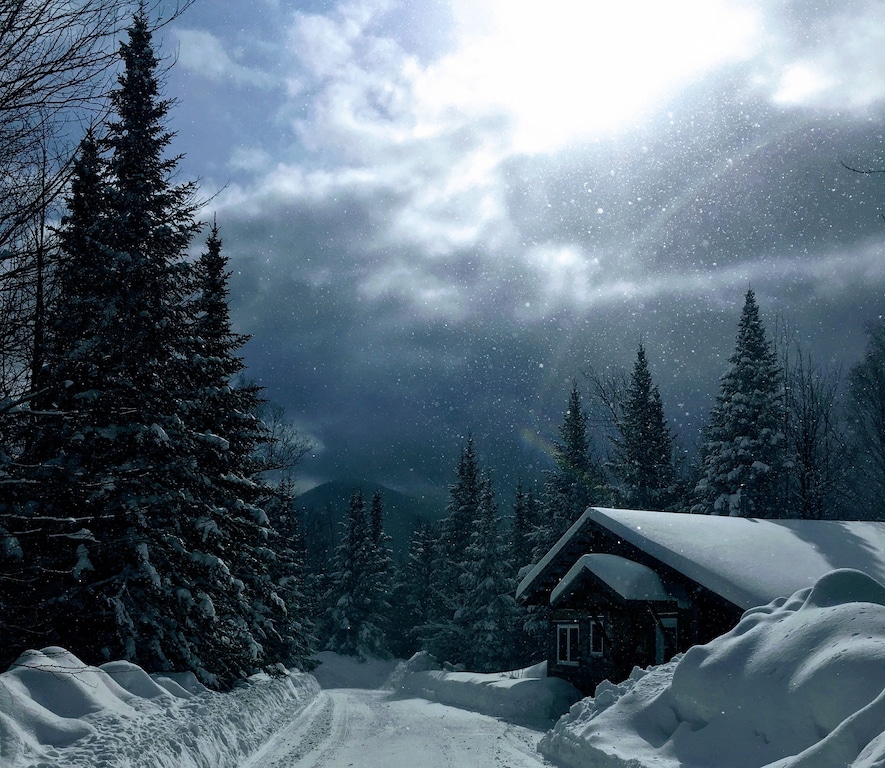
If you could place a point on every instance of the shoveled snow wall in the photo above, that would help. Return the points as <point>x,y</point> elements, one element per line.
<point>57,711</point>
<point>522,696</point>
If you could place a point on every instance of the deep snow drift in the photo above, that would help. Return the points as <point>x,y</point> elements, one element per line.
<point>57,711</point>
<point>799,683</point>
<point>521,696</point>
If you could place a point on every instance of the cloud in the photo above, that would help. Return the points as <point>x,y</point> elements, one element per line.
<point>204,53</point>
<point>419,252</point>
<point>833,59</point>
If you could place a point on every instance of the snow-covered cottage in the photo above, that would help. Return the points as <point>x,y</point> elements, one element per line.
<point>629,587</point>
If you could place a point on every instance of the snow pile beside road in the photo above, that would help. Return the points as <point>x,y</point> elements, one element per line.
<point>799,683</point>
<point>57,711</point>
<point>524,695</point>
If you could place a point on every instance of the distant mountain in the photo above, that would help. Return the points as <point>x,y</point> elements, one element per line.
<point>325,506</point>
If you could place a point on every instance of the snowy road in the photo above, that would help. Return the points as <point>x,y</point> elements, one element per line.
<point>351,728</point>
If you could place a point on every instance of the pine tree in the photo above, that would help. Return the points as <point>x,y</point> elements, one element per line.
<point>353,624</point>
<point>379,568</point>
<point>575,483</point>
<point>114,446</point>
<point>743,451</point>
<point>644,449</point>
<point>446,630</point>
<point>144,486</point>
<point>45,524</point>
<point>286,572</point>
<point>526,518</point>
<point>490,611</point>
<point>415,594</point>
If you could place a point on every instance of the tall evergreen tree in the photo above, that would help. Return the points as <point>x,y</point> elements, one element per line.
<point>379,569</point>
<point>446,630</point>
<point>354,619</point>
<point>142,482</point>
<point>743,450</point>
<point>644,448</point>
<point>525,521</point>
<point>415,594</point>
<point>490,611</point>
<point>575,483</point>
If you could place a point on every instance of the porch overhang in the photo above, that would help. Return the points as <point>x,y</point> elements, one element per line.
<point>612,574</point>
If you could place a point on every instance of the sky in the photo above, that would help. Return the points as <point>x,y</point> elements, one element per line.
<point>439,213</point>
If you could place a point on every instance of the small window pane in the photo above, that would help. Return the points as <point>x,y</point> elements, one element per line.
<point>567,638</point>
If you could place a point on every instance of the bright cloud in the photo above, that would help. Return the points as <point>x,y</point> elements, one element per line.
<point>202,52</point>
<point>838,66</point>
<point>567,71</point>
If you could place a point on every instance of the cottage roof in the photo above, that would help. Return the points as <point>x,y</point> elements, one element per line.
<point>629,580</point>
<point>747,561</point>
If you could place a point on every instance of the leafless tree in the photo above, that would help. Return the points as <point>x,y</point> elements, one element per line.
<point>815,434</point>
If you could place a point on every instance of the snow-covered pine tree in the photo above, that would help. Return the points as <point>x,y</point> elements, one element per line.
<point>286,570</point>
<point>743,453</point>
<point>221,414</point>
<point>350,625</point>
<point>414,593</point>
<point>144,569</point>
<point>526,518</point>
<point>490,611</point>
<point>576,481</point>
<point>866,408</point>
<point>643,461</point>
<point>45,524</point>
<point>446,638</point>
<point>379,568</point>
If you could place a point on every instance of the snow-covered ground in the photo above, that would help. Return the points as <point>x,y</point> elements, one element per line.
<point>799,683</point>
<point>522,696</point>
<point>55,711</point>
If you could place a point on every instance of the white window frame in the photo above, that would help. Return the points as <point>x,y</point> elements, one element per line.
<point>572,633</point>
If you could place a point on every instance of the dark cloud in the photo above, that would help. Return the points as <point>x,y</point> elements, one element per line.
<point>408,276</point>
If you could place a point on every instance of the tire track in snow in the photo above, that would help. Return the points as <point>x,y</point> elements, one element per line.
<point>311,730</point>
<point>370,729</point>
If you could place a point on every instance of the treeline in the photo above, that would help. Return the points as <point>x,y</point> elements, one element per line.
<point>136,520</point>
<point>784,440</point>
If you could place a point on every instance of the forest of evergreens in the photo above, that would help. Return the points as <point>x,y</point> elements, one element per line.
<point>146,502</point>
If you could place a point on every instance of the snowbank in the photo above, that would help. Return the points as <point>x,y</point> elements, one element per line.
<point>57,711</point>
<point>799,683</point>
<point>523,696</point>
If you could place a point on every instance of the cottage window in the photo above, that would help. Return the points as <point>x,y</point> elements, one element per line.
<point>567,639</point>
<point>597,638</point>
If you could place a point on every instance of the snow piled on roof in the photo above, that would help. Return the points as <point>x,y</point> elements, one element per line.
<point>57,711</point>
<point>798,683</point>
<point>750,561</point>
<point>632,581</point>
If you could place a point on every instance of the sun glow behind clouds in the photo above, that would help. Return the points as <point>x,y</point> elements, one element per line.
<point>568,70</point>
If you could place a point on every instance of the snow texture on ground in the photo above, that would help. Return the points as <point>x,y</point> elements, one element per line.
<point>56,711</point>
<point>353,727</point>
<point>799,683</point>
<point>521,696</point>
